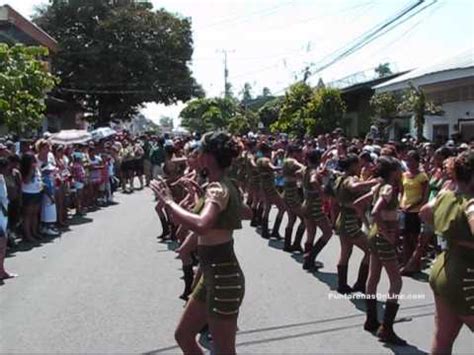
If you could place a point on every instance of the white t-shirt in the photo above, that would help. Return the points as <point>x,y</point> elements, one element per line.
<point>4,202</point>
<point>34,186</point>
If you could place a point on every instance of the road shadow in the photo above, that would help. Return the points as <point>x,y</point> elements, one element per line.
<point>420,276</point>
<point>25,246</point>
<point>276,244</point>
<point>79,220</point>
<point>409,349</point>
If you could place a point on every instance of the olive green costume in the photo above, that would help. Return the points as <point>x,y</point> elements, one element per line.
<point>378,245</point>
<point>252,173</point>
<point>266,177</point>
<point>452,275</point>
<point>312,204</point>
<point>291,195</point>
<point>222,284</point>
<point>348,224</point>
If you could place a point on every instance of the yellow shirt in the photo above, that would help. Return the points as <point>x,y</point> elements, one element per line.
<point>413,191</point>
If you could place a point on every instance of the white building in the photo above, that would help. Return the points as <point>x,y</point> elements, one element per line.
<point>448,83</point>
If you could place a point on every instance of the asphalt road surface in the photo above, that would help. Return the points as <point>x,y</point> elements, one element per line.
<point>109,286</point>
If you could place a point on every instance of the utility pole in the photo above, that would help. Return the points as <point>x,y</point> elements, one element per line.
<point>226,72</point>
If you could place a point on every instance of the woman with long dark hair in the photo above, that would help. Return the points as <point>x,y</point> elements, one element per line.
<point>217,298</point>
<point>32,187</point>
<point>269,193</point>
<point>292,171</point>
<point>348,188</point>
<point>313,211</point>
<point>383,240</point>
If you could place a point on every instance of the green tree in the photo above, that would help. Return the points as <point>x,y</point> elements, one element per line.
<point>246,94</point>
<point>208,114</point>
<point>24,82</point>
<point>115,56</point>
<point>292,117</point>
<point>325,111</point>
<point>269,113</point>
<point>385,108</point>
<point>414,102</point>
<point>243,122</point>
<point>266,92</point>
<point>383,70</point>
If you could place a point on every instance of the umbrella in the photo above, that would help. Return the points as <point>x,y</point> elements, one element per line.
<point>71,136</point>
<point>103,132</point>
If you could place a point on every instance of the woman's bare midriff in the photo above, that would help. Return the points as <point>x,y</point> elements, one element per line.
<point>215,236</point>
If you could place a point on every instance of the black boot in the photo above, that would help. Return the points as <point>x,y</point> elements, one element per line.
<point>315,250</point>
<point>385,332</point>
<point>276,226</point>
<point>359,286</point>
<point>166,228</point>
<point>188,281</point>
<point>298,237</point>
<point>371,323</point>
<point>259,214</point>
<point>253,222</point>
<point>342,287</point>
<point>265,232</point>
<point>307,256</point>
<point>287,245</point>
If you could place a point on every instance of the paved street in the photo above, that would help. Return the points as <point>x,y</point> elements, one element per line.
<point>108,286</point>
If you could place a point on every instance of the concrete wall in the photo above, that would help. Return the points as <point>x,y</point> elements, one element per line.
<point>453,112</point>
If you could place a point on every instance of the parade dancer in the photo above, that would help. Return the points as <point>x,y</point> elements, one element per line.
<point>217,297</point>
<point>313,211</point>
<point>383,238</point>
<point>292,169</point>
<point>269,193</point>
<point>452,275</point>
<point>348,188</point>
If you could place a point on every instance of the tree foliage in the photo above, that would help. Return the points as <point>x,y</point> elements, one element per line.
<point>325,111</point>
<point>207,114</point>
<point>269,112</point>
<point>383,70</point>
<point>305,110</point>
<point>414,102</point>
<point>24,82</point>
<point>292,115</point>
<point>115,56</point>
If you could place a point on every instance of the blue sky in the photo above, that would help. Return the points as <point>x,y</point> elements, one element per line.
<point>270,41</point>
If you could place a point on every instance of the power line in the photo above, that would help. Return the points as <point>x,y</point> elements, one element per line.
<point>239,19</point>
<point>363,40</point>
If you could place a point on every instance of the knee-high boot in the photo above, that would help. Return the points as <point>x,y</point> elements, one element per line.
<point>371,322</point>
<point>188,281</point>
<point>276,226</point>
<point>310,260</point>
<point>259,214</point>
<point>359,286</point>
<point>265,232</point>
<point>298,238</point>
<point>343,287</point>
<point>165,227</point>
<point>287,245</point>
<point>253,222</point>
<point>385,332</point>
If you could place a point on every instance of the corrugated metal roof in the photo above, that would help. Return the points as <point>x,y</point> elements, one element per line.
<point>463,60</point>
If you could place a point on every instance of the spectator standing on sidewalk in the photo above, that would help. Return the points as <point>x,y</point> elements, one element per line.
<point>157,158</point>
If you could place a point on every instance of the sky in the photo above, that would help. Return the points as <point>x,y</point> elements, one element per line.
<point>270,42</point>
